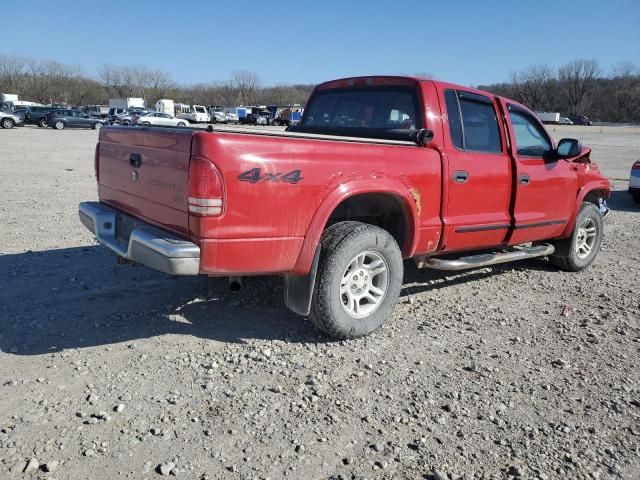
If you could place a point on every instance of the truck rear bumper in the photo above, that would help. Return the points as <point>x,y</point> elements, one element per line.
<point>140,242</point>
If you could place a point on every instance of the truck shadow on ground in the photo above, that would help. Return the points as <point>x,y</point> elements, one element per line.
<point>621,201</point>
<point>55,300</point>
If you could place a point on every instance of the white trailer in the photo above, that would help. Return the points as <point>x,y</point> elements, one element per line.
<point>549,117</point>
<point>8,98</point>
<point>167,106</point>
<point>126,103</point>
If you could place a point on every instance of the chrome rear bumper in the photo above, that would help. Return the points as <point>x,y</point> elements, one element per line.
<point>145,244</point>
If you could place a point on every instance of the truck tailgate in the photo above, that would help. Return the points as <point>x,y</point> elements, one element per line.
<point>144,172</point>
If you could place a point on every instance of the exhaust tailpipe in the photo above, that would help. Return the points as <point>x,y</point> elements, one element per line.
<point>235,283</point>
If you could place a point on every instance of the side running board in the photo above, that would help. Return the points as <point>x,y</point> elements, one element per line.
<point>486,259</point>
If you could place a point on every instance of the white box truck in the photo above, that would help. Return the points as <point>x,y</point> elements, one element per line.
<point>126,103</point>
<point>167,106</point>
<point>549,117</point>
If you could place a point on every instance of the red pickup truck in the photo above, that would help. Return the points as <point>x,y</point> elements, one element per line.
<point>380,169</point>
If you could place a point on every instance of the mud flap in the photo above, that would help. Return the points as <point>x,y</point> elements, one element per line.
<point>298,289</point>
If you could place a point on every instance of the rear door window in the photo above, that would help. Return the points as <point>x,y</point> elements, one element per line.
<point>473,123</point>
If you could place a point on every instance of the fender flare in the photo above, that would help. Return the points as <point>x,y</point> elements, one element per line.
<point>340,193</point>
<point>585,190</point>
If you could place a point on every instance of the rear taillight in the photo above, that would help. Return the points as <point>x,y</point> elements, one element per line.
<point>206,191</point>
<point>636,166</point>
<point>96,163</point>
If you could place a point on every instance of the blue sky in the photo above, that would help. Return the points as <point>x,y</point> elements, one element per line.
<point>465,42</point>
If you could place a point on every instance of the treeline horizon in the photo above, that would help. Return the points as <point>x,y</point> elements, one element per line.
<point>579,87</point>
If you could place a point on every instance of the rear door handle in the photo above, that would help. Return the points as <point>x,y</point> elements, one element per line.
<point>524,179</point>
<point>135,159</point>
<point>461,176</point>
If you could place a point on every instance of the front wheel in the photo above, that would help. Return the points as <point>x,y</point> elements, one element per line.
<point>59,125</point>
<point>182,124</point>
<point>8,123</point>
<point>97,126</point>
<point>358,281</point>
<point>579,250</point>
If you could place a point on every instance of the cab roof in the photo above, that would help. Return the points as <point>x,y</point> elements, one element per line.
<point>403,80</point>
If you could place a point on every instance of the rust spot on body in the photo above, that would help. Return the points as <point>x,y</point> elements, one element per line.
<point>417,198</point>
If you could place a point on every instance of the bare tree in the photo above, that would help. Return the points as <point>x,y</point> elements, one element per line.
<point>532,86</point>
<point>246,84</point>
<point>625,101</point>
<point>12,69</point>
<point>577,81</point>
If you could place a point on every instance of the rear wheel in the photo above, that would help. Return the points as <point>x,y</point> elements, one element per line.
<point>8,123</point>
<point>97,126</point>
<point>42,122</point>
<point>182,124</point>
<point>146,123</point>
<point>59,125</point>
<point>358,282</point>
<point>636,197</point>
<point>579,250</point>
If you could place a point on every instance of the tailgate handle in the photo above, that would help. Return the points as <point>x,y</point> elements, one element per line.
<point>135,159</point>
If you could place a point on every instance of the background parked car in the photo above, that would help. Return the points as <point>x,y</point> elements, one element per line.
<point>634,182</point>
<point>38,115</point>
<point>158,118</point>
<point>565,121</point>
<point>10,120</point>
<point>60,119</point>
<point>127,117</point>
<point>580,120</point>
<point>112,116</point>
<point>256,116</point>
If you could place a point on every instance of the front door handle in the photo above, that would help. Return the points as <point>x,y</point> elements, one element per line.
<point>461,176</point>
<point>524,179</point>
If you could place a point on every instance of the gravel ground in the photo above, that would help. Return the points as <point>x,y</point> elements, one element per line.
<point>115,371</point>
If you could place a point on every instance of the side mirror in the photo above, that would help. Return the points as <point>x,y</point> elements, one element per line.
<point>568,147</point>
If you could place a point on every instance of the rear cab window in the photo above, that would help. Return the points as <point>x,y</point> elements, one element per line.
<point>386,108</point>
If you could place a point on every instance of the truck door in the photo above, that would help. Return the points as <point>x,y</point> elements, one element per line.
<point>477,186</point>
<point>546,187</point>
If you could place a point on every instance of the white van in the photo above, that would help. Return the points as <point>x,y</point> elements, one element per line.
<point>193,113</point>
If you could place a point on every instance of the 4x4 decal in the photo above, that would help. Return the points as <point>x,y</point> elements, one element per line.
<point>254,176</point>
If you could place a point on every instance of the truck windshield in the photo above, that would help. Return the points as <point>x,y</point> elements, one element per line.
<point>369,108</point>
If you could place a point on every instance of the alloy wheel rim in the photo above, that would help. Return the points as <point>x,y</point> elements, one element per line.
<point>364,284</point>
<point>586,238</point>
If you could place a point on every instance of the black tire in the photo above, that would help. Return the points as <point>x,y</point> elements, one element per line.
<point>341,245</point>
<point>42,122</point>
<point>146,124</point>
<point>59,125</point>
<point>636,197</point>
<point>182,124</point>
<point>97,125</point>
<point>569,255</point>
<point>8,123</point>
